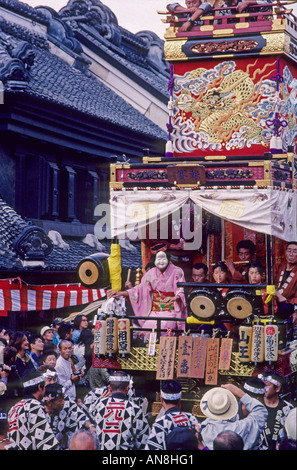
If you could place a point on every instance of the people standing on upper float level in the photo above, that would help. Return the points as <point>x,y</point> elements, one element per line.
<point>197,9</point>
<point>252,5</point>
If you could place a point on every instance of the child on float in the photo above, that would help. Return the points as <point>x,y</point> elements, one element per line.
<point>256,275</point>
<point>221,275</point>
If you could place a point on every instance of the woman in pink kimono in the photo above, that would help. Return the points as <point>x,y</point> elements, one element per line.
<point>158,295</point>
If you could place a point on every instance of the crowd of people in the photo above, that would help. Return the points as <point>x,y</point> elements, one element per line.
<point>51,397</point>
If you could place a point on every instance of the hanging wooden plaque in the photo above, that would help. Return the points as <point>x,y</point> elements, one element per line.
<point>257,353</point>
<point>111,337</point>
<point>152,344</point>
<point>166,358</point>
<point>212,360</point>
<point>124,336</point>
<point>185,344</point>
<point>271,343</point>
<point>245,343</point>
<point>99,338</point>
<point>199,357</point>
<point>225,353</point>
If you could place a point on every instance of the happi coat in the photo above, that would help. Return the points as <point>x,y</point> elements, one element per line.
<point>147,297</point>
<point>120,423</point>
<point>28,426</point>
<point>288,288</point>
<point>67,421</point>
<point>165,424</point>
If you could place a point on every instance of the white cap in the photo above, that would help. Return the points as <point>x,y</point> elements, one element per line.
<point>45,329</point>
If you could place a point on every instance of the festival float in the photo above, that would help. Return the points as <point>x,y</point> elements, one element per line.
<point>228,173</point>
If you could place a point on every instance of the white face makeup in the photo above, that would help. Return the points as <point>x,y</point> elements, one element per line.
<point>161,261</point>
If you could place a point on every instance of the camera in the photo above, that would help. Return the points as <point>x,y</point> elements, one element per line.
<point>7,368</point>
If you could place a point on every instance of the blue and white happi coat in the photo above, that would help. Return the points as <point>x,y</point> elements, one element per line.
<point>28,426</point>
<point>166,423</point>
<point>120,423</point>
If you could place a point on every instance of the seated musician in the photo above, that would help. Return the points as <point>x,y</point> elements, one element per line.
<point>197,9</point>
<point>246,252</point>
<point>221,275</point>
<point>255,274</point>
<point>199,273</point>
<point>286,284</point>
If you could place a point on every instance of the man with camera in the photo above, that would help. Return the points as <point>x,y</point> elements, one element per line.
<point>66,377</point>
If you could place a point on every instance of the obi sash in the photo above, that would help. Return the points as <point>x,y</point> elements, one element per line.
<point>158,301</point>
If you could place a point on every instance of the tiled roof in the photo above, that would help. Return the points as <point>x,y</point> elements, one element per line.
<point>65,257</point>
<point>27,59</point>
<point>142,53</point>
<point>54,80</point>
<point>68,258</point>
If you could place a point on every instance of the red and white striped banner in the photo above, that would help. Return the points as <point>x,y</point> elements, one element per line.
<point>16,296</point>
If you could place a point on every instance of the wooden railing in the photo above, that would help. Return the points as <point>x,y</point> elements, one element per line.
<point>249,22</point>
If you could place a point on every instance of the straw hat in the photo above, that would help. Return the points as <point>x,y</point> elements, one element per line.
<point>219,403</point>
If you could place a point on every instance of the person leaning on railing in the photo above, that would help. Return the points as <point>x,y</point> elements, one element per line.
<point>193,10</point>
<point>238,6</point>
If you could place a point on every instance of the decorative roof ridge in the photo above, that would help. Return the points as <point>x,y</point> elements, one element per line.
<point>136,66</point>
<point>23,33</point>
<point>95,20</point>
<point>24,9</point>
<point>29,242</point>
<point>60,31</point>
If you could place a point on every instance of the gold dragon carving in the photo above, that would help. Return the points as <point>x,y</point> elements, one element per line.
<point>222,109</point>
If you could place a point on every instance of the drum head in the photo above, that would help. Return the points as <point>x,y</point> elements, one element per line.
<point>88,273</point>
<point>239,307</point>
<point>202,306</point>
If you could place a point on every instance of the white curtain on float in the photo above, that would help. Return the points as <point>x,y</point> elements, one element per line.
<point>269,210</point>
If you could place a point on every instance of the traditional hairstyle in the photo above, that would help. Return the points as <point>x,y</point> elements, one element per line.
<point>222,265</point>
